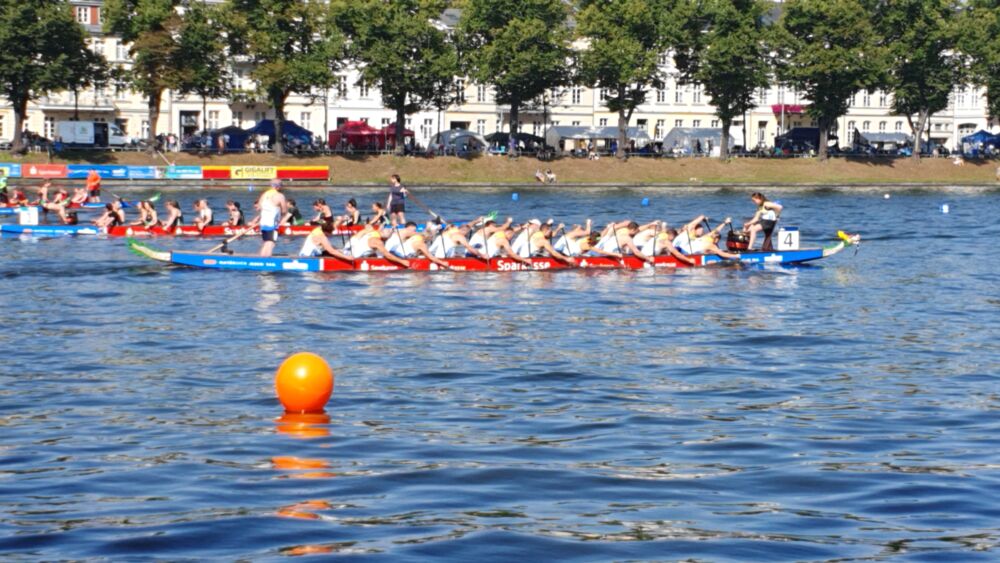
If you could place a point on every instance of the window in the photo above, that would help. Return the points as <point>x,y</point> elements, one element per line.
<point>679,96</point>
<point>363,89</point>
<point>761,131</point>
<point>678,123</point>
<point>883,101</point>
<point>866,100</point>
<point>715,123</point>
<point>121,51</point>
<point>899,126</point>
<point>481,125</point>
<point>305,120</point>
<point>50,127</point>
<point>536,127</point>
<point>603,122</point>
<point>658,132</point>
<point>974,100</point>
<point>642,124</point>
<point>258,116</point>
<point>960,98</point>
<point>851,126</point>
<point>576,94</point>
<point>3,121</point>
<point>481,95</point>
<point>97,46</point>
<point>83,14</point>
<point>937,126</point>
<point>409,123</point>
<point>121,94</point>
<point>696,123</point>
<point>866,126</point>
<point>213,119</point>
<point>341,86</point>
<point>661,96</point>
<point>697,96</point>
<point>555,123</point>
<point>662,61</point>
<point>385,122</point>
<point>145,128</point>
<point>100,15</point>
<point>575,123</point>
<point>762,96</point>
<point>604,94</point>
<point>238,119</point>
<point>881,127</point>
<point>363,120</point>
<point>460,91</point>
<point>426,128</point>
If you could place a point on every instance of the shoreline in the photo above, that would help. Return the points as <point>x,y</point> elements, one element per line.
<point>496,171</point>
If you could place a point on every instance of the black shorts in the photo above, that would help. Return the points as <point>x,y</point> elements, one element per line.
<point>269,236</point>
<point>397,207</point>
<point>767,226</point>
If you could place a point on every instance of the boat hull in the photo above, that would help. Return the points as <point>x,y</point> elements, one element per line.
<point>50,230</point>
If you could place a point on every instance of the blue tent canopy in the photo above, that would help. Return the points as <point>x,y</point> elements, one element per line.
<point>237,137</point>
<point>290,129</point>
<point>982,137</point>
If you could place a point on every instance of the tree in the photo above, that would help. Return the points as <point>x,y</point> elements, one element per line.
<point>828,50</point>
<point>399,48</point>
<point>726,52</point>
<point>90,69</point>
<point>293,46</point>
<point>520,47</point>
<point>924,63</point>
<point>980,43</point>
<point>41,49</point>
<point>204,66</point>
<point>151,27</point>
<point>625,41</point>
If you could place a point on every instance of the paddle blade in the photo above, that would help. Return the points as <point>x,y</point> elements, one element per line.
<point>155,198</point>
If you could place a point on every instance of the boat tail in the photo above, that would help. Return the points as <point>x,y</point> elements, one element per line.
<point>145,251</point>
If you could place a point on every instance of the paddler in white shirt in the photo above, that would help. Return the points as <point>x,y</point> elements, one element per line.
<point>534,241</point>
<point>317,244</point>
<point>616,239</point>
<point>692,238</point>
<point>368,243</point>
<point>452,242</point>
<point>408,243</point>
<point>661,244</point>
<point>205,216</point>
<point>273,207</point>
<point>495,241</point>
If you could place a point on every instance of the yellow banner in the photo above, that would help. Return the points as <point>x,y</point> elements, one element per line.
<point>253,172</point>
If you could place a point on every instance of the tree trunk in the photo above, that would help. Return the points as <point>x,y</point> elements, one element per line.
<point>824,137</point>
<point>278,101</point>
<point>918,134</point>
<point>515,108</point>
<point>20,114</point>
<point>153,110</point>
<point>724,141</point>
<point>400,119</point>
<point>76,105</point>
<point>204,113</point>
<point>623,120</point>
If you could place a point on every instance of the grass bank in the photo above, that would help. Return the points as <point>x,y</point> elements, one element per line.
<point>499,170</point>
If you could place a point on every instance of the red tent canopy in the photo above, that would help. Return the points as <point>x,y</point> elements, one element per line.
<point>357,134</point>
<point>390,130</point>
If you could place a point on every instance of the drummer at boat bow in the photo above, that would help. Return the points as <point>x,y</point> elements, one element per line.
<point>396,203</point>
<point>317,244</point>
<point>763,221</point>
<point>408,243</point>
<point>273,207</point>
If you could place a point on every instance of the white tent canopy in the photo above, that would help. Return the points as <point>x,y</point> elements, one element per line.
<point>461,139</point>
<point>688,139</point>
<point>570,137</point>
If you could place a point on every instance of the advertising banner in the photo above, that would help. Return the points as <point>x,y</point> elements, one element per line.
<point>104,170</point>
<point>253,172</point>
<point>44,170</point>
<point>303,172</point>
<point>11,170</point>
<point>143,173</point>
<point>215,172</point>
<point>184,172</point>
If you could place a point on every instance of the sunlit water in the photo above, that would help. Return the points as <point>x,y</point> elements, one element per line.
<point>847,411</point>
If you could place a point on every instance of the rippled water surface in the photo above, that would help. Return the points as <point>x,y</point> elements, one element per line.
<point>847,411</point>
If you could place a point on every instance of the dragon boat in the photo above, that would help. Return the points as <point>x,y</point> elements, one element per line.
<point>225,261</point>
<point>140,231</point>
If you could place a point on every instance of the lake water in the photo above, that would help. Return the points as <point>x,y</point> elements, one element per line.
<point>843,412</point>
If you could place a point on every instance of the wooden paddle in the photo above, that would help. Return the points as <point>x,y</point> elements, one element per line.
<point>231,239</point>
<point>437,218</point>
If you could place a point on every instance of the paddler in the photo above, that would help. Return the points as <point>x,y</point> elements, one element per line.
<point>578,240</point>
<point>533,240</point>
<point>396,203</point>
<point>317,244</point>
<point>323,212</point>
<point>273,207</point>
<point>4,196</point>
<point>693,231</point>
<point>205,215</point>
<point>497,241</point>
<point>79,197</point>
<point>368,242</point>
<point>616,240</point>
<point>293,216</point>
<point>175,217</point>
<point>453,242</point>
<point>662,244</point>
<point>93,186</point>
<point>379,218</point>
<point>113,216</point>
<point>408,243</point>
<point>352,216</point>
<point>763,221</point>
<point>59,203</point>
<point>236,217</point>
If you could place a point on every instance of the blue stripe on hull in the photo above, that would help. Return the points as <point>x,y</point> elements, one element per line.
<point>50,230</point>
<point>16,210</point>
<point>778,258</point>
<point>254,263</point>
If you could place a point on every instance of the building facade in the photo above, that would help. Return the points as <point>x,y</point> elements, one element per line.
<point>675,105</point>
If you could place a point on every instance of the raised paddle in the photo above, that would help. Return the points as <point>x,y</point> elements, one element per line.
<point>233,238</point>
<point>437,218</point>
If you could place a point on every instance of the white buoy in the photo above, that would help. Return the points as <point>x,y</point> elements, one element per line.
<point>887,196</point>
<point>944,208</point>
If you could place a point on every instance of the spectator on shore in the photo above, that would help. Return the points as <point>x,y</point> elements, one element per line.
<point>550,177</point>
<point>539,176</point>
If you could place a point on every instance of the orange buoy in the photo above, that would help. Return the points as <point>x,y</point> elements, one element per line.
<point>304,382</point>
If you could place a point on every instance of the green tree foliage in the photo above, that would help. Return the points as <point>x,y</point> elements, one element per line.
<point>294,46</point>
<point>726,50</point>
<point>400,49</point>
<point>921,38</point>
<point>828,50</point>
<point>152,28</point>
<point>625,40</point>
<point>980,43</point>
<point>42,49</point>
<point>520,47</point>
<point>204,65</point>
